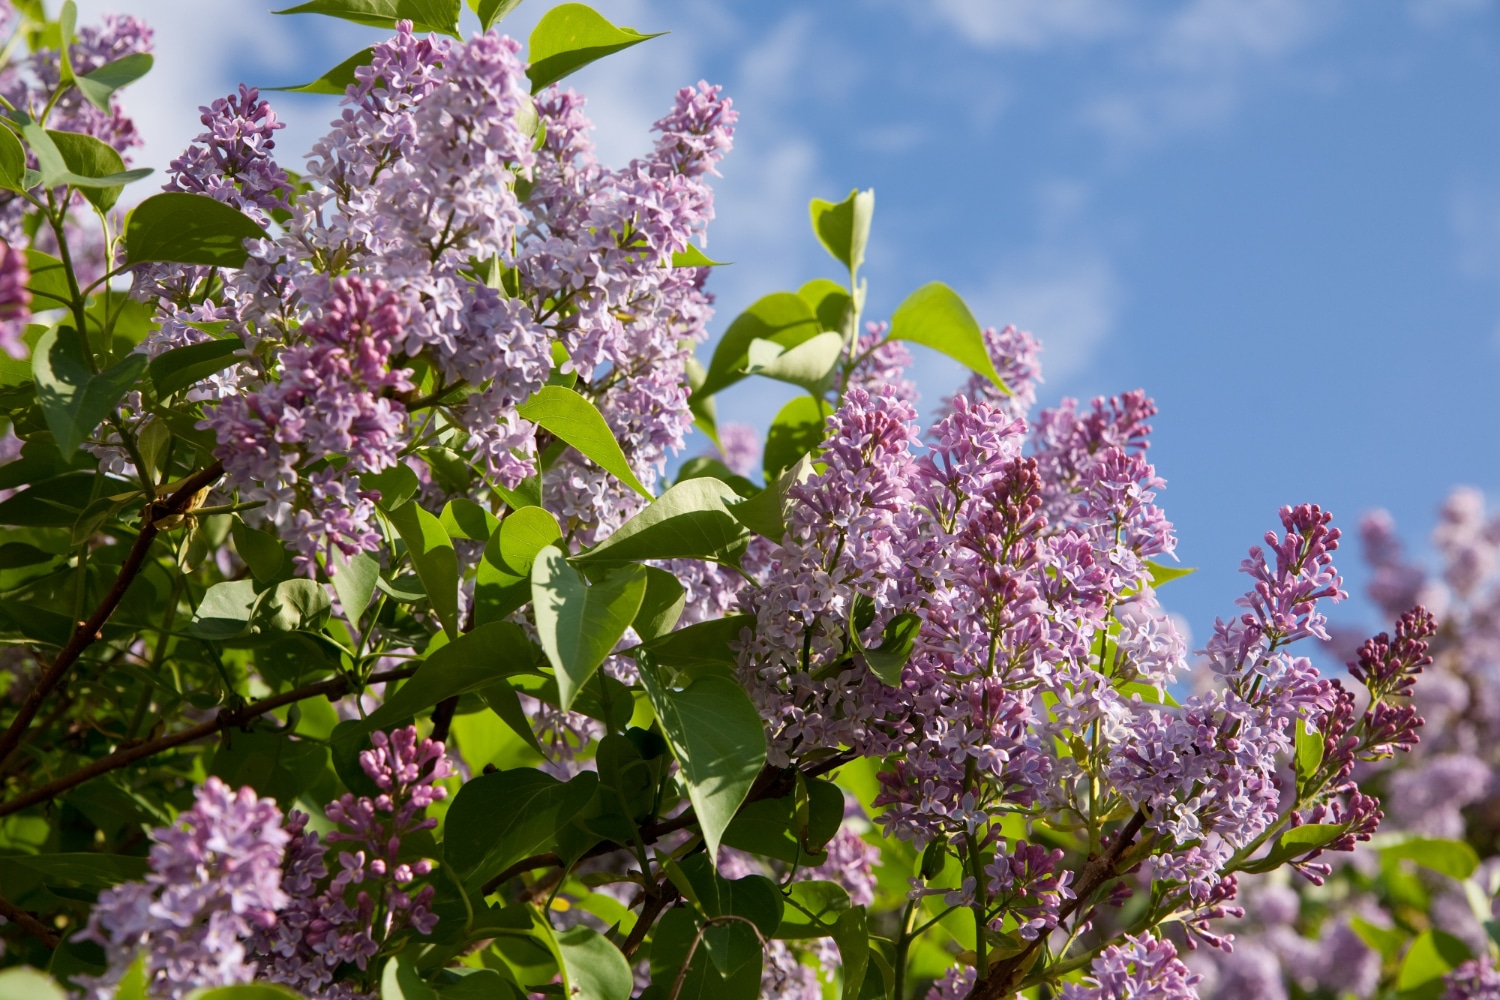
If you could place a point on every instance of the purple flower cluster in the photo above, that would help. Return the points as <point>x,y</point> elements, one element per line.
<point>369,902</point>
<point>215,883</point>
<point>1473,980</point>
<point>1142,968</point>
<point>15,299</point>
<point>235,895</point>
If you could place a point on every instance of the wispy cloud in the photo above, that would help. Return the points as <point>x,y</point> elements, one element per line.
<point>1071,299</point>
<point>1030,24</point>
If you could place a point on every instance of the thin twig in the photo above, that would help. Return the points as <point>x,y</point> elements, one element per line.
<point>31,925</point>
<point>227,718</point>
<point>89,632</point>
<point>657,900</point>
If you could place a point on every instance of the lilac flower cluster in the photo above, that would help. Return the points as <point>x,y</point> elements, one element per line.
<point>1142,968</point>
<point>236,895</point>
<point>15,299</point>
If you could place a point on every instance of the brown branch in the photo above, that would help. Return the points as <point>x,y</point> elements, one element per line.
<point>657,900</point>
<point>227,718</point>
<point>31,925</point>
<point>89,632</point>
<point>1006,975</point>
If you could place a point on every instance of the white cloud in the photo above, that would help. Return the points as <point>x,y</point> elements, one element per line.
<point>1216,36</point>
<point>1030,24</point>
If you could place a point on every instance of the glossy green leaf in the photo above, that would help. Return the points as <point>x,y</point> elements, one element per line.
<point>291,605</point>
<point>592,968</point>
<point>1297,841</point>
<point>569,37</point>
<point>670,944</point>
<point>1385,940</point>
<point>432,556</point>
<point>781,317</point>
<point>661,606</point>
<point>21,982</point>
<point>844,228</point>
<point>74,399</point>
<point>718,740</point>
<point>354,582</point>
<point>829,301</point>
<point>852,936</point>
<point>92,166</point>
<point>183,228</point>
<point>502,699</point>
<point>694,257</point>
<point>12,161</point>
<point>1431,956</point>
<point>425,15</point>
<point>1453,858</point>
<point>99,86</point>
<point>1309,751</point>
<point>463,518</point>
<point>691,520</point>
<point>898,639</point>
<point>1162,574</point>
<point>491,12</point>
<point>395,485</point>
<point>936,317</point>
<point>765,513</point>
<point>175,370</point>
<point>777,828</point>
<point>812,908</point>
<point>799,429</point>
<point>261,550</point>
<point>471,662</point>
<point>49,281</point>
<point>579,623</point>
<point>732,944</point>
<point>499,818</point>
<point>808,364</point>
<point>571,418</point>
<point>705,643</point>
<point>336,80</point>
<point>503,578</point>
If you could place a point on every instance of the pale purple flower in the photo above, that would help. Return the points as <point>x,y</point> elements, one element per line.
<point>15,299</point>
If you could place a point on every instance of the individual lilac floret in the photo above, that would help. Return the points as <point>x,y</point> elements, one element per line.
<point>369,902</point>
<point>215,881</point>
<point>15,299</point>
<point>1472,980</point>
<point>1143,968</point>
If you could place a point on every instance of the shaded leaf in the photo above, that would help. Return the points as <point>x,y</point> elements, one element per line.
<point>578,623</point>
<point>73,398</point>
<point>181,367</point>
<point>499,818</point>
<point>797,430</point>
<point>425,15</point>
<point>807,364</point>
<point>433,557</point>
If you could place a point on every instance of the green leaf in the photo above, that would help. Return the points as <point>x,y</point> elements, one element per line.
<point>755,898</point>
<point>670,944</point>
<point>592,968</point>
<point>182,228</point>
<point>705,643</point>
<point>1431,956</point>
<point>829,301</point>
<point>499,818</point>
<point>1297,841</point>
<point>798,430</point>
<point>261,550</point>
<point>336,80</point>
<point>92,871</point>
<point>853,938</point>
<point>492,12</point>
<point>1386,940</point>
<point>21,982</point>
<point>92,166</point>
<point>73,398</point>
<point>808,364</point>
<point>936,317</point>
<point>569,37</point>
<point>1453,858</point>
<point>694,257</point>
<point>471,662</point>
<point>433,557</point>
<point>1309,752</point>
<point>898,640</point>
<point>765,513</point>
<point>1162,574</point>
<point>99,86</point>
<point>12,161</point>
<point>245,991</point>
<point>571,418</point>
<point>844,228</point>
<point>811,910</point>
<point>395,485</point>
<point>691,520</point>
<point>661,606</point>
<point>399,980</point>
<point>777,828</point>
<point>184,366</point>
<point>354,583</point>
<point>718,740</point>
<point>49,280</point>
<point>579,624</point>
<point>291,605</point>
<point>425,15</point>
<point>781,317</point>
<point>463,518</point>
<point>502,699</point>
<point>503,578</point>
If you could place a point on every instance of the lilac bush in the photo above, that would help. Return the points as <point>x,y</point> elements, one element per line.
<point>377,637</point>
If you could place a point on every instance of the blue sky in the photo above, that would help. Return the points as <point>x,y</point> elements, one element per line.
<point>1279,217</point>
